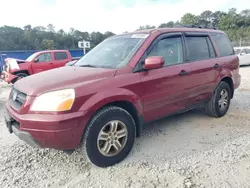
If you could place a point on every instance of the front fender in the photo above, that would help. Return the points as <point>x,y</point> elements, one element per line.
<point>101,99</point>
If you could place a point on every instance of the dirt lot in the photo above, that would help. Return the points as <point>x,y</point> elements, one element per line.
<point>188,150</point>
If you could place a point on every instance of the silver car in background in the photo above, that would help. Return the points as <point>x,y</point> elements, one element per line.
<point>243,54</point>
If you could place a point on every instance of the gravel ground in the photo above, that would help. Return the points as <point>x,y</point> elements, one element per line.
<point>188,150</point>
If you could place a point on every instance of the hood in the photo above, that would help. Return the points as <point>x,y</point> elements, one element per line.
<point>12,64</point>
<point>7,60</point>
<point>61,78</point>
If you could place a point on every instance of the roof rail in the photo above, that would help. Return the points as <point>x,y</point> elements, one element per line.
<point>196,26</point>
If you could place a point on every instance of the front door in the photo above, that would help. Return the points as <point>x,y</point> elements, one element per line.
<point>166,90</point>
<point>43,63</point>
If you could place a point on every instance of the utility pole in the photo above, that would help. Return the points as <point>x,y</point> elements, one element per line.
<point>84,48</point>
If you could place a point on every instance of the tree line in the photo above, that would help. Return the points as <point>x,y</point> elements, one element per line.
<point>45,38</point>
<point>235,24</point>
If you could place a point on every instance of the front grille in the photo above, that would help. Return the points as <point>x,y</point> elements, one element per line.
<point>17,98</point>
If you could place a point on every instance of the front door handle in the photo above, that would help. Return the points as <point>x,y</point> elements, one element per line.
<point>183,73</point>
<point>217,66</point>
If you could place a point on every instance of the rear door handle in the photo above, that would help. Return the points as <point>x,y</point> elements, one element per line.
<point>183,73</point>
<point>217,66</point>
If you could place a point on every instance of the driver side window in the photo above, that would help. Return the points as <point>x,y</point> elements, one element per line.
<point>44,57</point>
<point>170,49</point>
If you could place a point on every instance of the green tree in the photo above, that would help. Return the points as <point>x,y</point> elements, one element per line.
<point>48,44</point>
<point>145,27</point>
<point>169,24</point>
<point>205,18</point>
<point>189,19</point>
<point>51,28</point>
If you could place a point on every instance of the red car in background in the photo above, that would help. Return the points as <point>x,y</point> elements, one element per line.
<point>15,69</point>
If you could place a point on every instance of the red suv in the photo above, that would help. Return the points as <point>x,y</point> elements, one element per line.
<point>101,103</point>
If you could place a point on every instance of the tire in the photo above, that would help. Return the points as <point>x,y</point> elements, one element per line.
<point>19,76</point>
<point>213,107</point>
<point>104,120</point>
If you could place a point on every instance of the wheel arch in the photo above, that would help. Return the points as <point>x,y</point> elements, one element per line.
<point>229,80</point>
<point>131,109</point>
<point>127,105</point>
<point>21,71</point>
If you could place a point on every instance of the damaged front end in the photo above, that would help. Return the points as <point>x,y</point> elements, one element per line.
<point>8,77</point>
<point>6,74</point>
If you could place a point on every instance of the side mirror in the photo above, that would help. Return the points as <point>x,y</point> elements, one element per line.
<point>154,62</point>
<point>36,60</point>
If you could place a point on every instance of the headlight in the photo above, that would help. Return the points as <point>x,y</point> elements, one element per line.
<point>55,101</point>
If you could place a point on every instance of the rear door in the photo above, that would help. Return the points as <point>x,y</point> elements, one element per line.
<point>61,58</point>
<point>166,90</point>
<point>203,66</point>
<point>44,63</point>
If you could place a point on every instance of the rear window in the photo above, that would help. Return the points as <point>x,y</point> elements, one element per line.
<point>199,48</point>
<point>61,55</point>
<point>223,44</point>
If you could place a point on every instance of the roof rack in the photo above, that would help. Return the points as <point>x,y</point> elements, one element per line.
<point>197,26</point>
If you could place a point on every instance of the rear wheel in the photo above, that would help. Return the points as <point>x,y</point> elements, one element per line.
<point>219,104</point>
<point>109,137</point>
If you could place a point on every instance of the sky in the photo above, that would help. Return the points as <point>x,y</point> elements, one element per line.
<point>117,16</point>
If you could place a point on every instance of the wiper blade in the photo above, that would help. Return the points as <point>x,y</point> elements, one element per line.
<point>87,66</point>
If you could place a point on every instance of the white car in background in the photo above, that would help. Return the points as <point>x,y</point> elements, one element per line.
<point>243,54</point>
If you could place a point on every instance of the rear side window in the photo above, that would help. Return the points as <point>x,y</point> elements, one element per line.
<point>199,48</point>
<point>61,55</point>
<point>248,51</point>
<point>223,44</point>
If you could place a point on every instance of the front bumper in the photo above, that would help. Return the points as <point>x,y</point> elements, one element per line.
<point>7,77</point>
<point>60,131</point>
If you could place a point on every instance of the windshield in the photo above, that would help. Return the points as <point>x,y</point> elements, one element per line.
<point>114,52</point>
<point>30,58</point>
<point>237,51</point>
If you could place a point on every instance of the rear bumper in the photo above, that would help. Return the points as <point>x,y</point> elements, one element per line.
<point>237,81</point>
<point>62,131</point>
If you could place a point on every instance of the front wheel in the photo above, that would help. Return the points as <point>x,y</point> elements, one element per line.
<point>109,137</point>
<point>19,77</point>
<point>219,104</point>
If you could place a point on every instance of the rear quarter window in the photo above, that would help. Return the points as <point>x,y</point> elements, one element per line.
<point>61,55</point>
<point>223,44</point>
